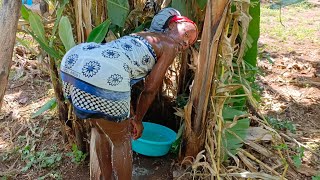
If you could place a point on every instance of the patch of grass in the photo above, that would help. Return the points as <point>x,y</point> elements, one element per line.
<point>281,147</point>
<point>316,177</point>
<point>298,30</point>
<point>77,155</point>
<point>304,5</point>
<point>38,159</point>
<point>297,158</point>
<point>6,178</point>
<point>281,125</point>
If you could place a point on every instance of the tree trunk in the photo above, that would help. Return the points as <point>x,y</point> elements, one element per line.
<point>62,107</point>
<point>196,109</point>
<point>9,15</point>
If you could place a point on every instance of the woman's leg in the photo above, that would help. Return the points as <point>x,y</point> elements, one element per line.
<point>120,146</point>
<point>100,156</point>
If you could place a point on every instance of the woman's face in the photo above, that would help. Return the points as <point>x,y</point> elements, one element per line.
<point>185,33</point>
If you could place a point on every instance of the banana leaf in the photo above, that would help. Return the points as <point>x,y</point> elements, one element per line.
<point>118,11</point>
<point>99,33</point>
<point>37,27</point>
<point>65,33</point>
<point>47,106</point>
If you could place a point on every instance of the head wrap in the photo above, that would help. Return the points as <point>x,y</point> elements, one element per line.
<point>181,19</point>
<point>159,20</point>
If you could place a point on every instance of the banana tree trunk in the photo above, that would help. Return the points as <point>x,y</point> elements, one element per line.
<point>197,107</point>
<point>83,18</point>
<point>9,16</point>
<point>62,107</point>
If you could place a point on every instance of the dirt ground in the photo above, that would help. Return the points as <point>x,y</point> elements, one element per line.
<point>289,78</point>
<point>290,73</point>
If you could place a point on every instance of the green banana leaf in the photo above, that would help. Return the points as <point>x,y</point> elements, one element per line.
<point>231,141</point>
<point>37,27</point>
<point>118,11</point>
<point>24,13</point>
<point>202,3</point>
<point>99,33</point>
<point>65,33</point>
<point>47,106</point>
<point>53,53</point>
<point>181,6</point>
<point>253,34</point>
<point>229,113</point>
<point>56,22</point>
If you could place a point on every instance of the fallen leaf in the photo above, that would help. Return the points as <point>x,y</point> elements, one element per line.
<point>258,134</point>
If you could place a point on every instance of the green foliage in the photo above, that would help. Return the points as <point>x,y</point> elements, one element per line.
<point>25,12</point>
<point>37,31</point>
<point>99,33</point>
<point>26,43</point>
<point>181,6</point>
<point>229,113</point>
<point>283,3</point>
<point>281,125</point>
<point>39,159</point>
<point>182,100</point>
<point>316,177</point>
<point>297,159</point>
<point>177,143</point>
<point>56,23</point>
<point>52,52</point>
<point>288,32</point>
<point>253,34</point>
<point>48,105</point>
<point>202,3</point>
<point>233,136</point>
<point>37,27</point>
<point>267,56</point>
<point>281,147</point>
<point>118,11</point>
<point>65,33</point>
<point>77,155</point>
<point>142,27</point>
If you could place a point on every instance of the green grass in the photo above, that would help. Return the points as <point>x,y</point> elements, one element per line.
<point>299,30</point>
<point>303,5</point>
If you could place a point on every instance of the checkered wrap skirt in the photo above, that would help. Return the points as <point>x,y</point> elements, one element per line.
<point>93,102</point>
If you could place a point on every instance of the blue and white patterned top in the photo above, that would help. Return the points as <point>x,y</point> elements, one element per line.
<point>114,65</point>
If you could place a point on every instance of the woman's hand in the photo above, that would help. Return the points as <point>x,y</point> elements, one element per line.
<point>137,128</point>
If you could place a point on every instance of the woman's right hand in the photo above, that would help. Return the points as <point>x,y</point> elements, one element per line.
<point>137,128</point>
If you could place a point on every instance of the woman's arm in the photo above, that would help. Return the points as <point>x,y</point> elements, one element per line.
<point>152,84</point>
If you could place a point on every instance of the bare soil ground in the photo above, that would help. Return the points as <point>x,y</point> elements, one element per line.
<point>290,72</point>
<point>290,81</point>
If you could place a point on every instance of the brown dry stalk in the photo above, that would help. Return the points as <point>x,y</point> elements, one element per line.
<point>247,162</point>
<point>259,162</point>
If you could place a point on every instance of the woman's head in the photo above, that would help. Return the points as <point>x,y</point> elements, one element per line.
<point>159,21</point>
<point>182,30</point>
